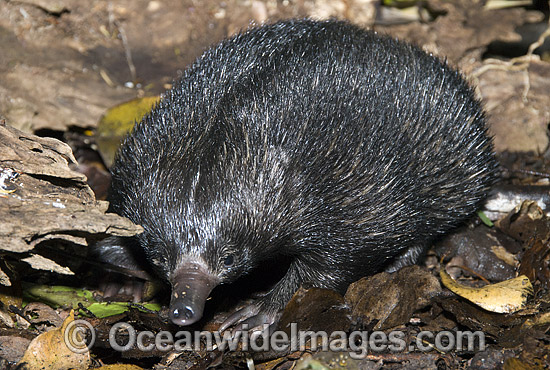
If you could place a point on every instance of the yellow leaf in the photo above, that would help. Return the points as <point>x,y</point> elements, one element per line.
<point>50,351</point>
<point>117,122</point>
<point>504,297</point>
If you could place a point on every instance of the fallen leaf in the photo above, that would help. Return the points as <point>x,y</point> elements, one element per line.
<point>517,364</point>
<point>505,297</point>
<point>117,122</point>
<point>50,351</point>
<point>535,262</point>
<point>525,222</point>
<point>42,314</point>
<point>505,256</point>
<point>315,309</point>
<point>388,300</point>
<point>106,309</point>
<point>12,348</point>
<point>57,296</point>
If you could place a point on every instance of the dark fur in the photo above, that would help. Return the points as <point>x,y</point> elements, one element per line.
<point>317,140</point>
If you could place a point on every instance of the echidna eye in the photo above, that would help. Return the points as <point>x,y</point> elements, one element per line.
<point>228,261</point>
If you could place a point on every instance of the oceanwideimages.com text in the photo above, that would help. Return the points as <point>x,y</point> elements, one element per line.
<point>358,344</point>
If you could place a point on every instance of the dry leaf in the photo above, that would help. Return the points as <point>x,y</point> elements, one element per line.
<point>120,367</point>
<point>50,351</point>
<point>388,300</point>
<point>505,297</point>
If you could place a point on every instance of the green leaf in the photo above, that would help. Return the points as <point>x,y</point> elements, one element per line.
<point>485,219</point>
<point>106,309</point>
<point>57,296</point>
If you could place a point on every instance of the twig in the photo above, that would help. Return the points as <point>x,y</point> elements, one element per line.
<point>124,39</point>
<point>85,310</point>
<point>521,63</point>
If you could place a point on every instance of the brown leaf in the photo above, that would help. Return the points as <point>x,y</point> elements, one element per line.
<point>525,222</point>
<point>12,347</point>
<point>50,351</point>
<point>389,300</point>
<point>40,313</point>
<point>482,249</point>
<point>535,263</point>
<point>315,309</point>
